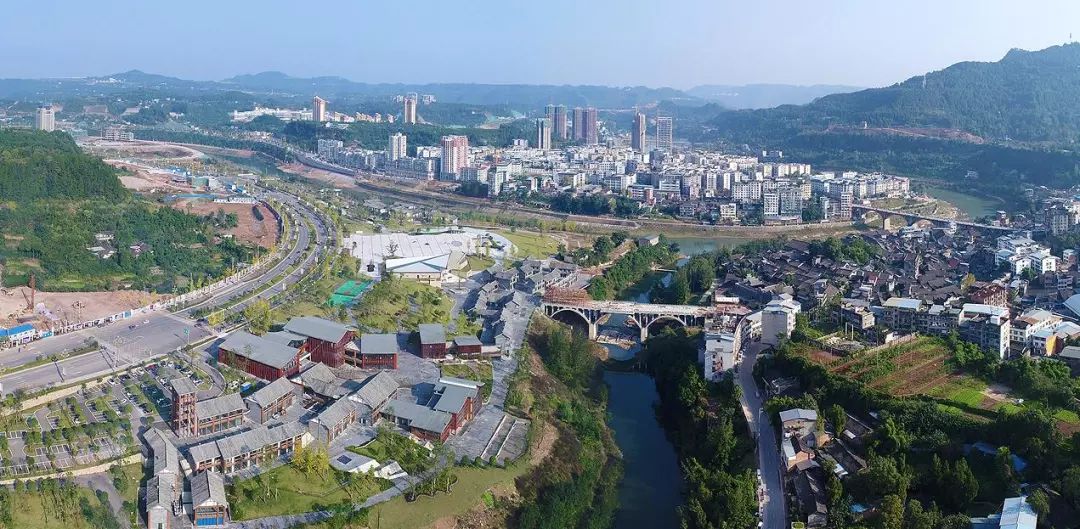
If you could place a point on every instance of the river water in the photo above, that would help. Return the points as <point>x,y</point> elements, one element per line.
<point>651,487</point>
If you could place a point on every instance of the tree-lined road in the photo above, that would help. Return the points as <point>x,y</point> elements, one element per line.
<point>773,508</point>
<point>157,333</point>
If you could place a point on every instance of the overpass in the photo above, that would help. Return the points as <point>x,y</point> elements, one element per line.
<point>592,312</point>
<point>912,217</point>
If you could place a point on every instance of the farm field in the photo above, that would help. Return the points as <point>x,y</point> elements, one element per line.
<point>918,367</point>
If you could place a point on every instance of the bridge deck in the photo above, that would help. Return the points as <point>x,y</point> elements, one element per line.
<point>630,308</point>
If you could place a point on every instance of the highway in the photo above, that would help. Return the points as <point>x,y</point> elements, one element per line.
<point>773,508</point>
<point>161,332</point>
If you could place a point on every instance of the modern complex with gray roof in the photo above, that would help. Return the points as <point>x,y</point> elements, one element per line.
<point>318,328</point>
<point>208,487</point>
<point>413,415</point>
<point>376,390</point>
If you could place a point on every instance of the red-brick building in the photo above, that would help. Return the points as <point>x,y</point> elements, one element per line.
<point>432,340</point>
<point>377,351</point>
<point>468,346</point>
<point>260,357</point>
<point>325,340</point>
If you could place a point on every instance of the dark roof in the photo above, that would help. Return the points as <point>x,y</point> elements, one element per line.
<point>432,333</point>
<point>271,392</point>
<point>318,328</point>
<point>378,344</point>
<point>376,390</point>
<point>208,487</point>
<point>218,406</point>
<point>467,340</point>
<point>418,416</point>
<point>261,350</point>
<point>183,386</point>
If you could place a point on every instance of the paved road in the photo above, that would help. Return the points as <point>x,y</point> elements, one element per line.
<point>159,332</point>
<point>774,511</point>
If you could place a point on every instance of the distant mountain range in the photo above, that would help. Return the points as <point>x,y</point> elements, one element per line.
<point>523,96</point>
<point>1027,96</point>
<point>754,96</point>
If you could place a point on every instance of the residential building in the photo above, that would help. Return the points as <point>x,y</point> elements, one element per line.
<point>902,314</point>
<point>664,129</point>
<point>408,114</point>
<point>398,147</point>
<point>209,505</point>
<point>248,448</point>
<point>542,140</point>
<point>455,156</point>
<point>332,421</point>
<point>579,124</point>
<point>318,109</point>
<point>115,133</point>
<point>1024,327</point>
<point>421,421</point>
<point>219,413</point>
<point>1016,513</point>
<point>986,325</point>
<point>637,132</point>
<point>45,118</point>
<point>778,319</point>
<point>432,340</point>
<point>590,131</point>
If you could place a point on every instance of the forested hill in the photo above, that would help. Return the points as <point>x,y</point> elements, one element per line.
<point>35,164</point>
<point>1027,96</point>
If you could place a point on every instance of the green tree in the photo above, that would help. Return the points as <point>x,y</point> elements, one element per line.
<point>1040,503</point>
<point>259,316</point>
<point>836,416</point>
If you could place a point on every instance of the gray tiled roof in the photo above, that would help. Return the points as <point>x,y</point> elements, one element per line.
<point>272,392</point>
<point>318,328</point>
<point>418,416</point>
<point>207,488</point>
<point>166,457</point>
<point>335,413</point>
<point>467,340</point>
<point>207,451</point>
<point>218,406</point>
<point>160,491</point>
<point>376,390</point>
<point>378,344</point>
<point>183,386</point>
<point>432,333</point>
<point>259,349</point>
<point>452,396</point>
<point>256,439</point>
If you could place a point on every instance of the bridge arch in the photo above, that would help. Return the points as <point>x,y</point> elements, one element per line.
<point>575,318</point>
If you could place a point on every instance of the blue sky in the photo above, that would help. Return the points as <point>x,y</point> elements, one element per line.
<point>678,43</point>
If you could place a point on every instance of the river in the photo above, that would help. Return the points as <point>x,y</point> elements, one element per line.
<point>970,205</point>
<point>651,487</point>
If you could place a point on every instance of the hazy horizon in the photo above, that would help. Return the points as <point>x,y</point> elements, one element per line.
<point>723,43</point>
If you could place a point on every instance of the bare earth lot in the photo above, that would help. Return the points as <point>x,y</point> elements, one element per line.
<point>93,305</point>
<point>250,230</point>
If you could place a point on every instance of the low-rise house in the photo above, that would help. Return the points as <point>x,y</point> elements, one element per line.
<point>247,449</point>
<point>326,340</point>
<point>330,423</point>
<point>209,505</point>
<point>271,400</point>
<point>432,340</point>
<point>372,395</point>
<point>421,421</point>
<point>468,346</point>
<point>258,356</point>
<point>1016,513</point>
<point>377,351</point>
<point>219,413</point>
<point>164,489</point>
<point>458,397</point>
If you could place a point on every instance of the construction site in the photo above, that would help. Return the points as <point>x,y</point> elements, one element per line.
<point>45,310</point>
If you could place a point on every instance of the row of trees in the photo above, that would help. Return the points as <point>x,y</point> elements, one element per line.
<point>706,425</point>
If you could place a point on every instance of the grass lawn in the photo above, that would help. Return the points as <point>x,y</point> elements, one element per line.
<point>297,493</point>
<point>479,262</point>
<point>469,491</point>
<point>967,396</point>
<point>30,510</point>
<point>401,305</point>
<point>531,244</point>
<point>1067,416</point>
<point>464,326</point>
<point>480,371</point>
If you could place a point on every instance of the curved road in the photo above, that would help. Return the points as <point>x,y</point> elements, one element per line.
<point>146,336</point>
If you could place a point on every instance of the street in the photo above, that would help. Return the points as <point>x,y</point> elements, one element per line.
<point>774,510</point>
<point>149,335</point>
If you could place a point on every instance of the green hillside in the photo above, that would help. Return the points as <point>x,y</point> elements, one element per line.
<point>35,164</point>
<point>55,200</point>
